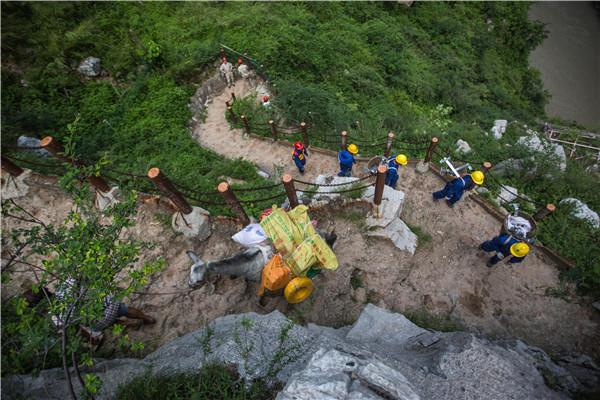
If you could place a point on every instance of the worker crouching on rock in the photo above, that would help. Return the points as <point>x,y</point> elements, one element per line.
<point>391,179</point>
<point>454,189</point>
<point>505,246</point>
<point>300,154</point>
<point>347,160</point>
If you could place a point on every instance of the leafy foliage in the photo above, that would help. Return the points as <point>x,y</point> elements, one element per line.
<point>81,259</point>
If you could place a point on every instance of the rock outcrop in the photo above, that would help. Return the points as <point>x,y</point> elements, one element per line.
<point>382,356</point>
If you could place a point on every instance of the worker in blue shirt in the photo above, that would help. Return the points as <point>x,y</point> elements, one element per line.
<point>454,189</point>
<point>346,158</point>
<point>504,246</point>
<point>300,154</point>
<point>392,174</point>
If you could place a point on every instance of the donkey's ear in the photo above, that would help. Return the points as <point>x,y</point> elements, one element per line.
<point>193,256</point>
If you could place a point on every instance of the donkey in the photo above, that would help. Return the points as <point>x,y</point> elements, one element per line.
<point>247,264</point>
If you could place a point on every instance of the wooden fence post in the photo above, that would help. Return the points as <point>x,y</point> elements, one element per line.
<point>57,150</point>
<point>233,203</point>
<point>275,92</point>
<point>223,53</point>
<point>290,191</point>
<point>379,184</point>
<point>273,131</point>
<point>165,186</point>
<point>227,103</point>
<point>246,126</point>
<point>264,76</point>
<point>388,146</point>
<point>11,168</point>
<point>544,212</point>
<point>233,96</point>
<point>232,115</point>
<point>344,138</point>
<point>430,150</point>
<point>248,61</point>
<point>486,167</point>
<point>304,133</point>
<point>139,42</point>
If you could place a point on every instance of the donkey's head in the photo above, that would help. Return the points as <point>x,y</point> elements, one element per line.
<point>198,270</point>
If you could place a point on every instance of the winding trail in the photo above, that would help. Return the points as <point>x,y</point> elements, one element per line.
<point>271,157</point>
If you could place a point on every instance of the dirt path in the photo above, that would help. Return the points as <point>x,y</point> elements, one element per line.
<point>446,275</point>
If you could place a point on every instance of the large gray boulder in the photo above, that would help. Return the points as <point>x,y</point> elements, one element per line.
<point>382,356</point>
<point>90,66</point>
<point>582,211</point>
<point>553,151</point>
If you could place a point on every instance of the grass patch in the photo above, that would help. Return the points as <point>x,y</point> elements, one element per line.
<point>214,381</point>
<point>423,236</point>
<point>351,217</point>
<point>164,219</point>
<point>429,320</point>
<point>355,282</point>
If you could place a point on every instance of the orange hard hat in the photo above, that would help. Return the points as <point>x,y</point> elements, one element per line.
<point>265,98</point>
<point>298,146</point>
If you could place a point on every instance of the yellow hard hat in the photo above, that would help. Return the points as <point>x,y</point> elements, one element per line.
<point>353,149</point>
<point>401,159</point>
<point>519,249</point>
<point>477,177</point>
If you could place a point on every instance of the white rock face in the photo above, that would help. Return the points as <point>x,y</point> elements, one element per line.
<point>263,174</point>
<point>507,194</point>
<point>390,208</point>
<point>322,191</point>
<point>14,187</point>
<point>400,234</point>
<point>534,143</point>
<point>90,66</point>
<point>499,128</point>
<point>194,224</point>
<point>582,211</point>
<point>463,146</point>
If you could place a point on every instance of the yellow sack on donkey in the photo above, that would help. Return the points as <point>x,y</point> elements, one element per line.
<point>275,276</point>
<point>313,252</point>
<point>287,230</point>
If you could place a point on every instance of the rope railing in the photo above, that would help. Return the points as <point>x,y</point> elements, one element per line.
<point>31,162</point>
<point>337,191</point>
<point>12,146</point>
<point>263,200</point>
<point>489,174</point>
<point>334,184</point>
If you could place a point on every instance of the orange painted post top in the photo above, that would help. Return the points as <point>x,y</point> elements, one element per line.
<point>486,167</point>
<point>344,140</point>
<point>233,203</point>
<point>544,212</point>
<point>165,186</point>
<point>290,191</point>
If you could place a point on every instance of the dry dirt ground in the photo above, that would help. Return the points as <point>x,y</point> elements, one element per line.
<point>446,275</point>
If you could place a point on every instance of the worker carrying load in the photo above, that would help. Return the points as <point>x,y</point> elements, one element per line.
<point>347,160</point>
<point>299,155</point>
<point>505,246</point>
<point>454,189</point>
<point>392,174</point>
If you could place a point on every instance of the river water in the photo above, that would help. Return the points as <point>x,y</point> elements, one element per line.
<point>569,59</point>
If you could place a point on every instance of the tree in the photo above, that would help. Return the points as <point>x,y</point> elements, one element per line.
<point>83,256</point>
